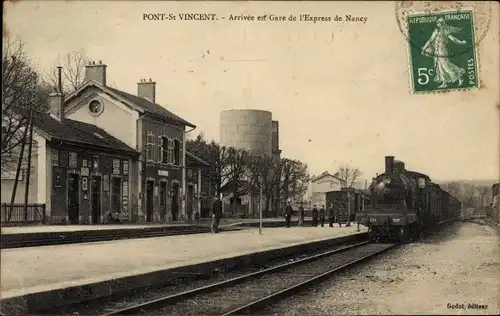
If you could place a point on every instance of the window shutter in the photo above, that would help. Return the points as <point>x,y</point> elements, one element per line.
<point>172,157</point>
<point>160,149</point>
<point>169,156</point>
<point>149,147</point>
<point>179,152</point>
<point>148,155</point>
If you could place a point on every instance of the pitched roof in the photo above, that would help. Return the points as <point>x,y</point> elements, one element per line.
<point>323,175</point>
<point>151,107</point>
<point>142,103</point>
<point>78,132</point>
<point>192,159</point>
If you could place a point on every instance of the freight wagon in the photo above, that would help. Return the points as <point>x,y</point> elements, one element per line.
<point>345,203</point>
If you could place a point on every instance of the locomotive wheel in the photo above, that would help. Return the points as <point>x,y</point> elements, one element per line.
<point>418,233</point>
<point>371,235</point>
<point>403,235</point>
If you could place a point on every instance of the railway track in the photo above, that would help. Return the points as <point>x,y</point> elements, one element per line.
<point>250,292</point>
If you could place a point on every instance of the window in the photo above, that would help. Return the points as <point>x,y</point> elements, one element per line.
<point>55,157</point>
<point>95,107</point>
<point>163,149</point>
<point>171,151</point>
<point>177,152</point>
<point>57,178</point>
<point>150,147</point>
<point>116,195</point>
<point>73,160</point>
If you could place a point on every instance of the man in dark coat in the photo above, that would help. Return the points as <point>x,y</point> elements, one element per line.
<point>322,215</point>
<point>315,216</point>
<point>288,214</point>
<point>301,214</point>
<point>216,214</point>
<point>331,215</point>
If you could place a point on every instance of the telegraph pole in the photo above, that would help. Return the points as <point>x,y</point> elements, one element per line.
<point>30,146</point>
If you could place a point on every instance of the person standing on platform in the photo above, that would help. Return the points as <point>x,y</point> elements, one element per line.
<point>315,216</point>
<point>288,214</point>
<point>322,215</point>
<point>331,215</point>
<point>216,214</point>
<point>301,214</point>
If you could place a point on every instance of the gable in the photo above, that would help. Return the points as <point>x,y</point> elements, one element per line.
<point>92,92</point>
<point>138,103</point>
<point>117,118</point>
<point>324,178</point>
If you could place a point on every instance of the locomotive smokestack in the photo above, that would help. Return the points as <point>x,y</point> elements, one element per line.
<point>389,164</point>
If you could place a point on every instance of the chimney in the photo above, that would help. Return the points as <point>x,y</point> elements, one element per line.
<point>389,164</point>
<point>56,105</point>
<point>96,72</point>
<point>57,99</point>
<point>147,89</point>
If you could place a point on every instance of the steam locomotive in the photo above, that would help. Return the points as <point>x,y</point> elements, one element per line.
<point>403,204</point>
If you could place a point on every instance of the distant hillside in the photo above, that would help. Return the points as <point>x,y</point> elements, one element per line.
<point>487,183</point>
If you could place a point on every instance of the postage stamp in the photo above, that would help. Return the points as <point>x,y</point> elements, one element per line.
<point>442,51</point>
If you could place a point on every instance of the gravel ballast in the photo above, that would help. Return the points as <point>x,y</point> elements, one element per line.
<point>454,273</point>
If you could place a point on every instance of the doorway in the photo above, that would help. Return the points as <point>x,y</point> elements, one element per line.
<point>73,198</point>
<point>116,195</point>
<point>189,201</point>
<point>96,200</point>
<point>175,201</point>
<point>149,200</point>
<point>163,200</point>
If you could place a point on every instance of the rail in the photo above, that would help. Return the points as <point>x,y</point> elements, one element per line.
<point>17,213</point>
<point>252,291</point>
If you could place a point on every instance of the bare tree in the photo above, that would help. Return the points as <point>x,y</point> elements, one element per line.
<point>347,175</point>
<point>73,71</point>
<point>263,172</point>
<point>484,195</point>
<point>453,188</point>
<point>294,178</point>
<point>467,194</point>
<point>20,90</point>
<point>236,167</point>
<point>217,157</point>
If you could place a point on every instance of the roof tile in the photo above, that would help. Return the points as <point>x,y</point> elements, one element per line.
<point>80,132</point>
<point>151,107</point>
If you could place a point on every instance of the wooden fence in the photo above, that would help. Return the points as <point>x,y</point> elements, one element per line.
<point>17,213</point>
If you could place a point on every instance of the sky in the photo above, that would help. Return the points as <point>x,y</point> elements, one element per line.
<point>340,91</point>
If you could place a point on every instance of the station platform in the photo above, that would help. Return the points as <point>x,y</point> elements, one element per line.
<point>72,228</point>
<point>43,235</point>
<point>41,269</point>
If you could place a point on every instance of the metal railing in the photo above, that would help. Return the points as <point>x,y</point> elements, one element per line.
<point>17,213</point>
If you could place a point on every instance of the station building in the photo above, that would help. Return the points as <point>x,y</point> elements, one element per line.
<point>114,155</point>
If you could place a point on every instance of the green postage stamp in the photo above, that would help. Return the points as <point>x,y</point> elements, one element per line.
<point>442,51</point>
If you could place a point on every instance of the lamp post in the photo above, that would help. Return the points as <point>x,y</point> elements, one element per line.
<point>260,204</point>
<point>348,207</point>
<point>362,200</point>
